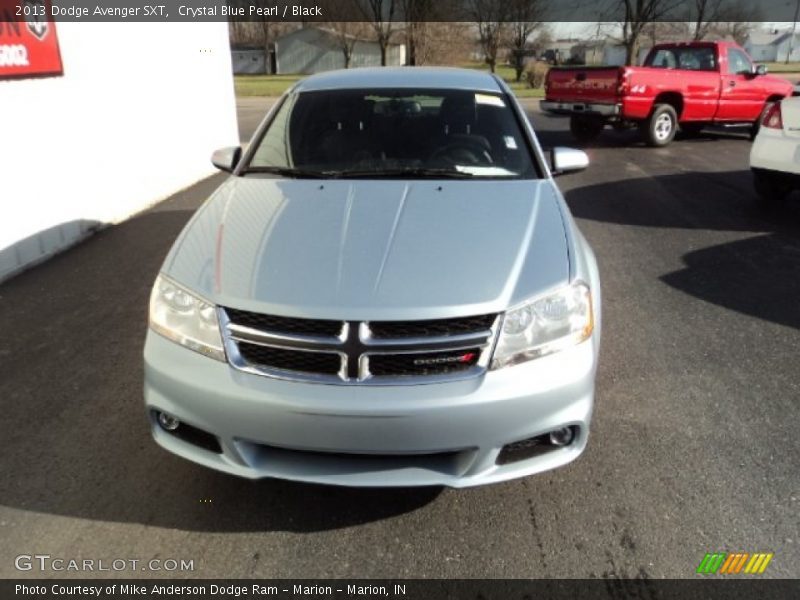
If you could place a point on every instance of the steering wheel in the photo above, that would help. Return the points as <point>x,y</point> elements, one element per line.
<point>462,152</point>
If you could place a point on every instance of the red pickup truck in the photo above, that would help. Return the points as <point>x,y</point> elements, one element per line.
<point>687,85</point>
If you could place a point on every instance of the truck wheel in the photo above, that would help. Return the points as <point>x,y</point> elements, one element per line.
<point>659,129</point>
<point>756,127</point>
<point>770,188</point>
<point>584,128</point>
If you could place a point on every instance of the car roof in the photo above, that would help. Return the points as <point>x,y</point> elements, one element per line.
<point>401,77</point>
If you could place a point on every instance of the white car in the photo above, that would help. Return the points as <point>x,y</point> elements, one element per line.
<point>775,156</point>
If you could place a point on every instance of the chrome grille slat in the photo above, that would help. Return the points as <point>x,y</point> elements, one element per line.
<point>247,334</point>
<point>430,327</point>
<point>285,324</point>
<point>354,345</point>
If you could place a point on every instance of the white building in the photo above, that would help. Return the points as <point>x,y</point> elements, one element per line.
<point>773,46</point>
<point>314,49</point>
<point>126,115</point>
<point>614,54</point>
<point>252,60</point>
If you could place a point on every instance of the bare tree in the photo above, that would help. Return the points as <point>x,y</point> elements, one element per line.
<point>346,36</point>
<point>265,26</point>
<point>706,13</point>
<point>490,17</point>
<point>544,38</point>
<point>264,33</point>
<point>637,15</point>
<point>658,31</point>
<point>739,19</point>
<point>380,14</point>
<point>443,43</point>
<point>417,13</point>
<point>736,20</point>
<point>525,17</point>
<point>347,30</point>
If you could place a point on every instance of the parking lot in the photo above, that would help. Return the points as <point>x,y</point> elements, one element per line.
<point>694,446</point>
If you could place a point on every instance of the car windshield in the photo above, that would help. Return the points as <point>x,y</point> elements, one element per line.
<point>414,133</point>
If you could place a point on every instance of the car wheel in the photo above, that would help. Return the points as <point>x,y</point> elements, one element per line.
<point>754,129</point>
<point>585,129</point>
<point>659,129</point>
<point>770,189</point>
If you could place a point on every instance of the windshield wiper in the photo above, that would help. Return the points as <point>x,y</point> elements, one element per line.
<point>410,172</point>
<point>287,172</point>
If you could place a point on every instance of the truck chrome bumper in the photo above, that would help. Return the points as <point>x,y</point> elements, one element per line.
<point>572,108</point>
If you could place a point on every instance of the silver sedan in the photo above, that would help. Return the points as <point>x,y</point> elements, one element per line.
<point>388,290</point>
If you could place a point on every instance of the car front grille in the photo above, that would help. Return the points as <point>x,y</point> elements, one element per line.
<point>284,324</point>
<point>290,360</point>
<point>358,352</point>
<point>401,329</point>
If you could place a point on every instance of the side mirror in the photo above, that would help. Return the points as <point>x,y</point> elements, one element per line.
<point>567,160</point>
<point>226,159</point>
<point>760,70</point>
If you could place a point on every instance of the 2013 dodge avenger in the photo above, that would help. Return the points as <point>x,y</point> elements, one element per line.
<point>388,290</point>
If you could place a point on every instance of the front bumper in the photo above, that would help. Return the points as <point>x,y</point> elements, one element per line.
<point>573,108</point>
<point>433,434</point>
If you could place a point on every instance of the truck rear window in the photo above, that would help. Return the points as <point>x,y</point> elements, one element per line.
<point>692,59</point>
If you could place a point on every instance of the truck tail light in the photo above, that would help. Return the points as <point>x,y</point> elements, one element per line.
<point>773,119</point>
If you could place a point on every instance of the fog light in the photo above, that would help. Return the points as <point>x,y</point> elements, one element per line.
<point>562,437</point>
<point>168,422</point>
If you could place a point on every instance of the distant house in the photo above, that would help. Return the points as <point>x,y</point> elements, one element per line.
<point>314,49</point>
<point>614,53</point>
<point>250,60</point>
<point>604,51</point>
<point>614,50</point>
<point>589,52</point>
<point>772,46</point>
<point>560,51</point>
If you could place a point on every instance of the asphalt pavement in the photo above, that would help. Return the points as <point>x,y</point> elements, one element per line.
<point>694,445</point>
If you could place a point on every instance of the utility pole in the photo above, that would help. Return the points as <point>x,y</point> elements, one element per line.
<point>794,28</point>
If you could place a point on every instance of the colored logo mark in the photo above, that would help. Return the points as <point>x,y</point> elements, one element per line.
<point>734,563</point>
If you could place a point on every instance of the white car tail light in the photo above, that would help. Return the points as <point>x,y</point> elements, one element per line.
<point>773,119</point>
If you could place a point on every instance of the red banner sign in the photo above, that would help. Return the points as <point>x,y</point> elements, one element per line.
<point>28,40</point>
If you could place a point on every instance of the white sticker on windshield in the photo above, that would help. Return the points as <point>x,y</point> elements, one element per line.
<point>490,100</point>
<point>511,143</point>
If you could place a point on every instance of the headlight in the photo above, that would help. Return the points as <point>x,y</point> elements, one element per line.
<point>545,325</point>
<point>184,318</point>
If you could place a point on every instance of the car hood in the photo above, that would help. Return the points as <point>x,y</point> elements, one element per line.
<point>361,250</point>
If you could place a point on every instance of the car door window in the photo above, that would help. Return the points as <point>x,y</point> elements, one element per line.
<point>738,63</point>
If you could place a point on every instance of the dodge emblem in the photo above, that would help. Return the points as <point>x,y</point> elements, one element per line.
<point>36,18</point>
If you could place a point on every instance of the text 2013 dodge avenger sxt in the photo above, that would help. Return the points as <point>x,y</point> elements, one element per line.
<point>389,290</point>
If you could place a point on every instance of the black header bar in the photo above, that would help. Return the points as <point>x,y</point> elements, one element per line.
<point>319,11</point>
